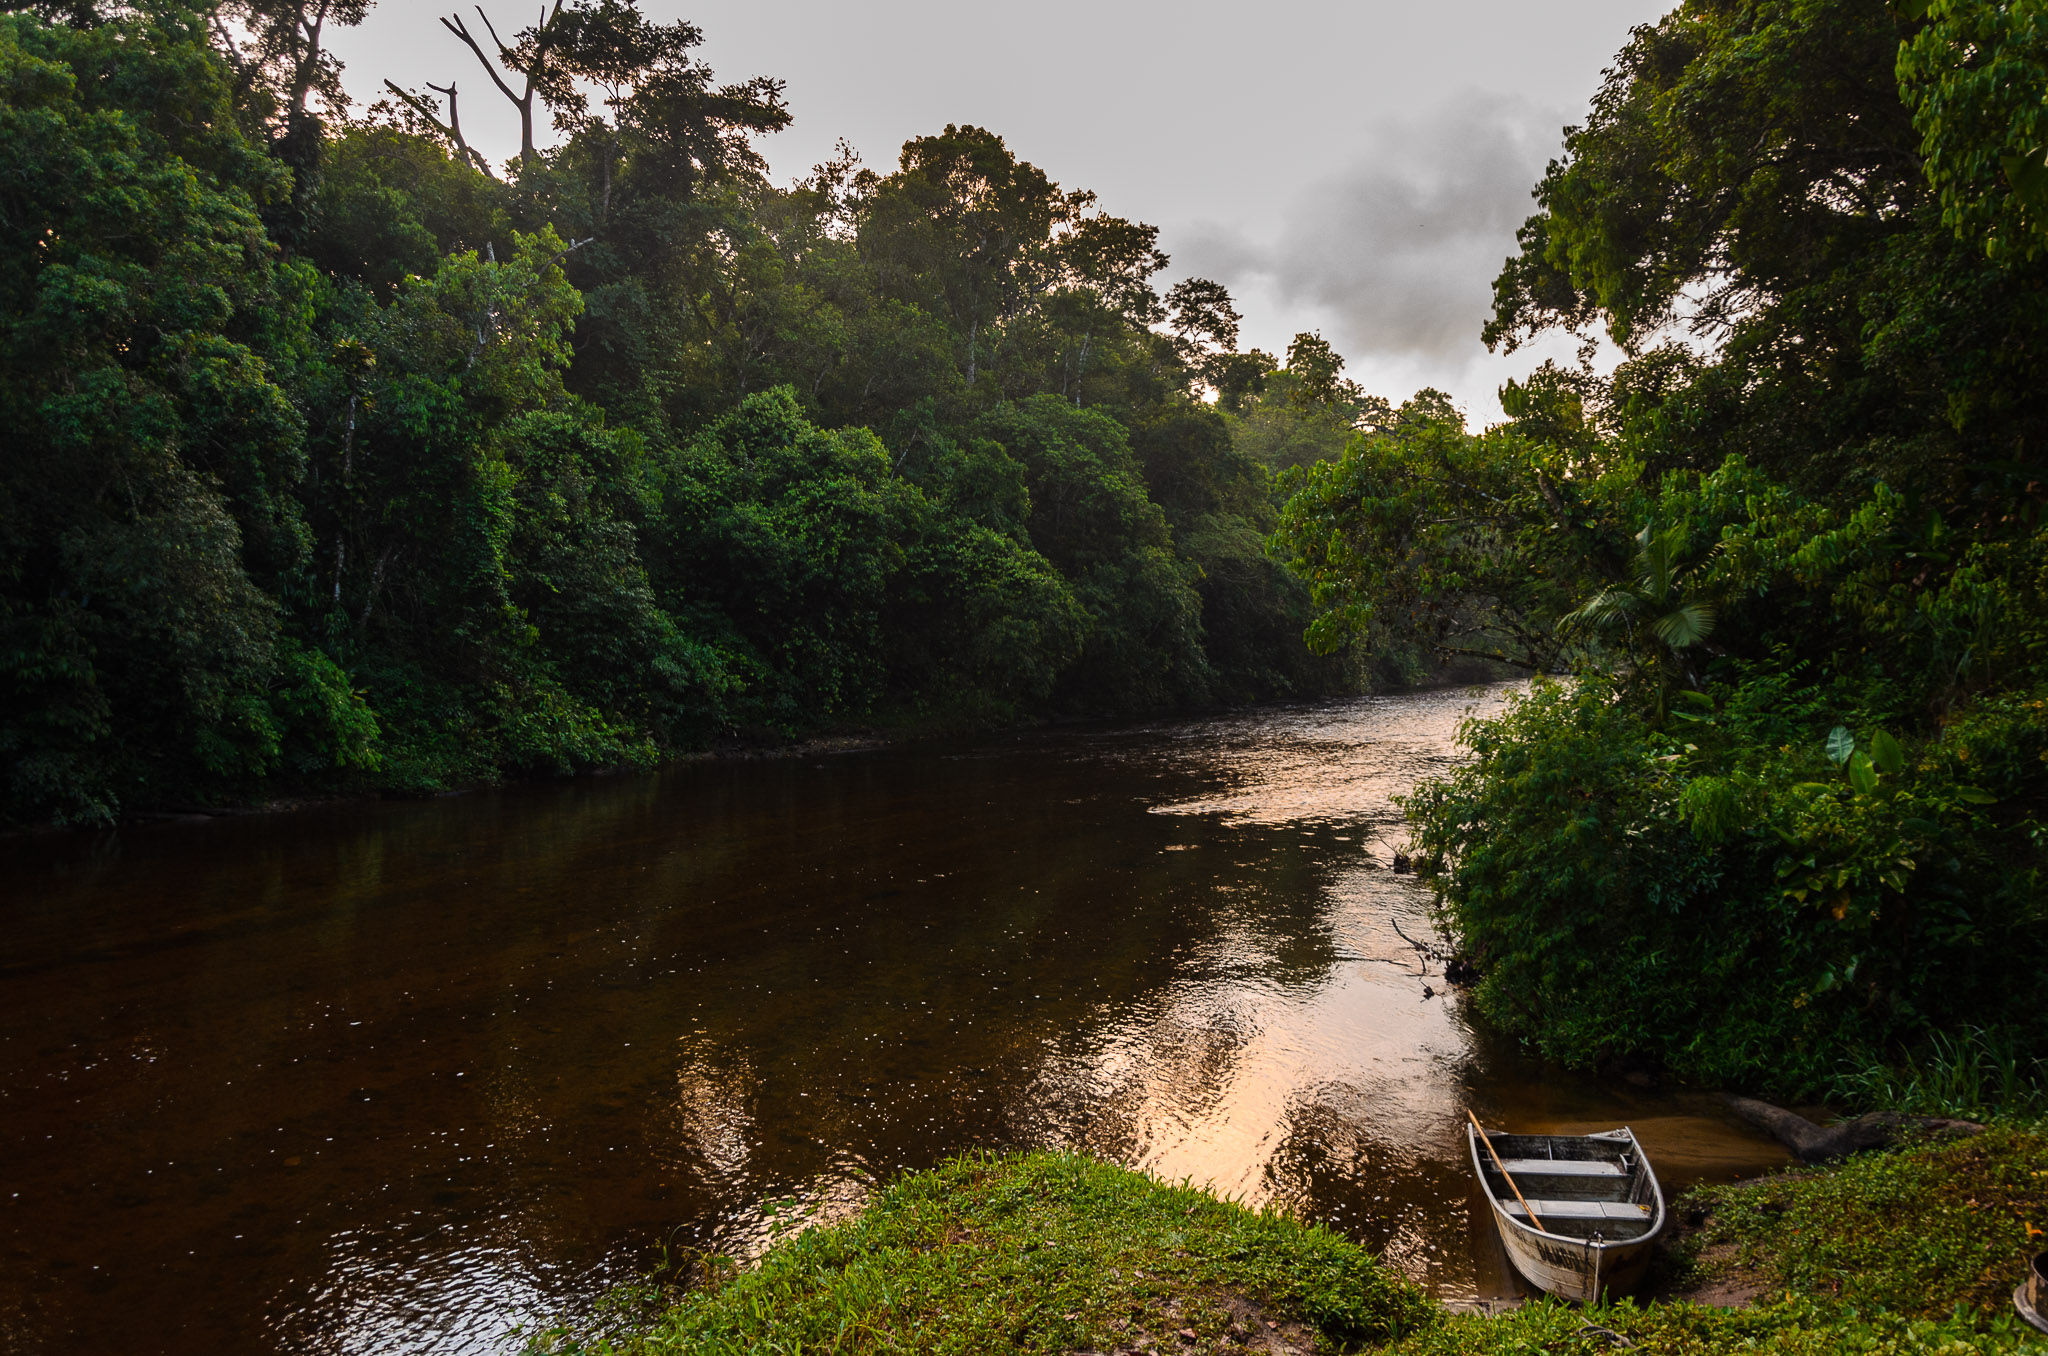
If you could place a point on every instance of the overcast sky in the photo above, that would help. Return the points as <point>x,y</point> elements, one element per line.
<point>1354,168</point>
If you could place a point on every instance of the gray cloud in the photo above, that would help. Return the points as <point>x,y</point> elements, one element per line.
<point>1400,250</point>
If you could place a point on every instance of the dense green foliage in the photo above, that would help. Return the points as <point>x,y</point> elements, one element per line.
<point>1775,817</point>
<point>1786,1325</point>
<point>337,461</point>
<point>1934,1229</point>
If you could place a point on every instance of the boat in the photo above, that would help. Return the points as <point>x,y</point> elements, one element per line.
<point>1577,1214</point>
<point>2031,1299</point>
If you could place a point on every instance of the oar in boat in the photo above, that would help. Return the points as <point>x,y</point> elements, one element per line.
<point>1505,1176</point>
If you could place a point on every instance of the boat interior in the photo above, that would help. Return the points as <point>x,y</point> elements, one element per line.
<point>1579,1186</point>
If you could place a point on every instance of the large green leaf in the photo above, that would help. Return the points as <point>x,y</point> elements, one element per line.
<point>1685,626</point>
<point>2028,175</point>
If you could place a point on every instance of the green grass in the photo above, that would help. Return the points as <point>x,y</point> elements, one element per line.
<point>1039,1252</point>
<point>1920,1232</point>
<point>1977,1073</point>
<point>1911,1253</point>
<point>1782,1327</point>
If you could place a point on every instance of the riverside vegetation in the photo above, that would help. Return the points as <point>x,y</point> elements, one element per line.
<point>1903,1254</point>
<point>1777,823</point>
<point>1769,817</point>
<point>341,459</point>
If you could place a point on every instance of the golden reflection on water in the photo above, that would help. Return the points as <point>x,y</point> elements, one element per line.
<point>395,1077</point>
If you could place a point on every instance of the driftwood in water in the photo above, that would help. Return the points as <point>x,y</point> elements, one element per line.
<point>1814,1143</point>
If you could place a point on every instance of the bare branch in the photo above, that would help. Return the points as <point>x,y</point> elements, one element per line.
<point>455,25</point>
<point>420,106</point>
<point>504,53</point>
<point>452,129</point>
<point>573,246</point>
<point>531,69</point>
<point>229,51</point>
<point>455,127</point>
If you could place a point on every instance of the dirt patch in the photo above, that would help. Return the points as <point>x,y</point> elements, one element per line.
<point>1717,1278</point>
<point>1213,1321</point>
<point>1688,1267</point>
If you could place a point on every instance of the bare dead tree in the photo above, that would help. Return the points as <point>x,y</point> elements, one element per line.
<point>451,129</point>
<point>532,65</point>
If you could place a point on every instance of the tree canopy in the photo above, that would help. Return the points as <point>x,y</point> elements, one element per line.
<point>1780,818</point>
<point>342,458</point>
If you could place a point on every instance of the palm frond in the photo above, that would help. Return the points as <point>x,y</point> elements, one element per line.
<point>1656,557</point>
<point>1686,625</point>
<point>1603,611</point>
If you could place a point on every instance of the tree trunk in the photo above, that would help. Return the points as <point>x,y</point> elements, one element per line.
<point>1817,1143</point>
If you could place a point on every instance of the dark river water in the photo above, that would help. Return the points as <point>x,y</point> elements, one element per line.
<point>396,1077</point>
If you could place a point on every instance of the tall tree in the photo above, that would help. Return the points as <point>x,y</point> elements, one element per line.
<point>530,57</point>
<point>967,227</point>
<point>1751,177</point>
<point>281,66</point>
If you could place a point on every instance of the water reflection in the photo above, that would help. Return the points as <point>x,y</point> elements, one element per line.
<point>394,1077</point>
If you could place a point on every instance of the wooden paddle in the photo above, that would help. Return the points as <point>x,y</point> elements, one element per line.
<point>1504,1170</point>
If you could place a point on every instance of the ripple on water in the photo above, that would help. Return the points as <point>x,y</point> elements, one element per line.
<point>396,1077</point>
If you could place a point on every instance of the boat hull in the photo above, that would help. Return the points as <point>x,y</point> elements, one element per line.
<point>1582,1269</point>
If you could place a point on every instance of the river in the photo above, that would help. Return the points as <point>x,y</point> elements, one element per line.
<point>394,1077</point>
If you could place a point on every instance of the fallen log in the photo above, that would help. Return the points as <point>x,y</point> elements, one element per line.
<point>1817,1143</point>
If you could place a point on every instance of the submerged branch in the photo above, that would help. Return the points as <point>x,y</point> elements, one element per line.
<point>1817,1143</point>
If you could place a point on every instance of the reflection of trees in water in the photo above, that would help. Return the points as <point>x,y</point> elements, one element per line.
<point>1150,1080</point>
<point>897,999</point>
<point>671,997</point>
<point>1344,1161</point>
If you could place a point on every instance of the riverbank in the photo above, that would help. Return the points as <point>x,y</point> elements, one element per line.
<point>1908,1253</point>
<point>865,738</point>
<point>294,801</point>
<point>1035,1252</point>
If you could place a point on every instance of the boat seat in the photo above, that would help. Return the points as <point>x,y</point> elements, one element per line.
<point>1562,1167</point>
<point>1564,1210</point>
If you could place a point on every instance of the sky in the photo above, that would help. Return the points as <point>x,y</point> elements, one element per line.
<point>1357,169</point>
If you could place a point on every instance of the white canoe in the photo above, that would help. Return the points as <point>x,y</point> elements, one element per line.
<point>1596,1198</point>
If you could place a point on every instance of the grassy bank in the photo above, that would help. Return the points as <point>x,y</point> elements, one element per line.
<point>1040,1252</point>
<point>1912,1253</point>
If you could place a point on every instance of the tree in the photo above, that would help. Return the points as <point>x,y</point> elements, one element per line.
<point>1976,79</point>
<point>339,462</point>
<point>148,515</point>
<point>1203,317</point>
<point>965,229</point>
<point>1683,853</point>
<point>1650,611</point>
<point>279,68</point>
<point>531,57</point>
<point>1315,367</point>
<point>1091,517</point>
<point>1295,415</point>
<point>1751,175</point>
<point>1459,546</point>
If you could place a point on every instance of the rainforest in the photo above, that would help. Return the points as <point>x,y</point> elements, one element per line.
<point>341,462</point>
<point>1691,716</point>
